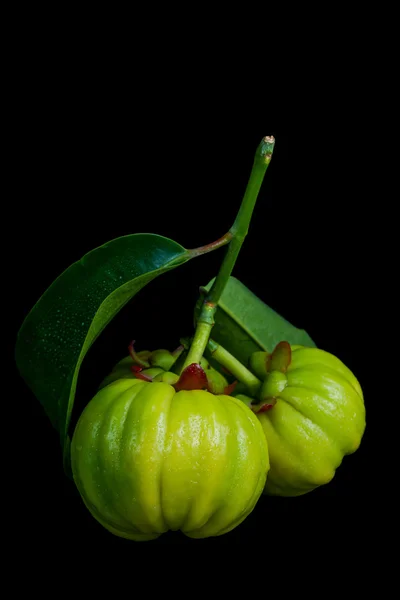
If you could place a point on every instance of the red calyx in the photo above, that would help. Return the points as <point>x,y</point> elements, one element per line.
<point>144,377</point>
<point>137,371</point>
<point>135,357</point>
<point>281,358</point>
<point>229,388</point>
<point>263,406</point>
<point>192,378</point>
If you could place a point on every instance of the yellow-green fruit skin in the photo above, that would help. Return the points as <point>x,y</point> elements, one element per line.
<point>147,459</point>
<point>318,419</point>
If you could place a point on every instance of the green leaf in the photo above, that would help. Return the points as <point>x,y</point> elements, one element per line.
<point>244,324</point>
<point>74,310</point>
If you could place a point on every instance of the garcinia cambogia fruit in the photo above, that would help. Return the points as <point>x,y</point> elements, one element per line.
<point>147,459</point>
<point>311,408</point>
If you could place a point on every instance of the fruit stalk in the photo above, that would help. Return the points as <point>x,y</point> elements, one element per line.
<point>238,232</point>
<point>235,367</point>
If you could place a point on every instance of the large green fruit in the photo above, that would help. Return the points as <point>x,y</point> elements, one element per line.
<point>147,459</point>
<point>318,418</point>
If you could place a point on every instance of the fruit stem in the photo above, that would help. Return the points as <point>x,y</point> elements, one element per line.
<point>235,237</point>
<point>240,227</point>
<point>239,371</point>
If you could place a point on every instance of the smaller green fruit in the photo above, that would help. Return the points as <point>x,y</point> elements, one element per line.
<point>274,383</point>
<point>247,400</point>
<point>167,377</point>
<point>152,372</point>
<point>163,359</point>
<point>217,383</point>
<point>318,418</point>
<point>258,364</point>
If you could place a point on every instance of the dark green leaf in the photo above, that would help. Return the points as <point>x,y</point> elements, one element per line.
<point>244,324</point>
<point>74,310</point>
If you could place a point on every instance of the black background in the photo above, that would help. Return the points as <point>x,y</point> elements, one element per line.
<point>94,165</point>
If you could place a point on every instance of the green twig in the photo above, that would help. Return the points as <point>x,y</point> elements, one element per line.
<point>225,239</point>
<point>238,233</point>
<point>234,366</point>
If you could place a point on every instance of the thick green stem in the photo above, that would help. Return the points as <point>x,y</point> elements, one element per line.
<point>240,227</point>
<point>236,235</point>
<point>201,335</point>
<point>239,371</point>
